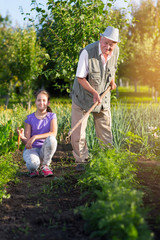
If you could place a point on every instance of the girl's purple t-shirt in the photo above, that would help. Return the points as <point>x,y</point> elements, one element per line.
<point>39,126</point>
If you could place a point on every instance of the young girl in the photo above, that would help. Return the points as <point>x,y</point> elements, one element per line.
<point>39,137</point>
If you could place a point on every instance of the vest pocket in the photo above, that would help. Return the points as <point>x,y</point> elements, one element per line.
<point>111,71</point>
<point>95,79</point>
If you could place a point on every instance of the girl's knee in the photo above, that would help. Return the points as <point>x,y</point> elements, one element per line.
<point>32,166</point>
<point>32,159</point>
<point>52,141</point>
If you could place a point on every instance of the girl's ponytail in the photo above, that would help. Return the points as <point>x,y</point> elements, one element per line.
<point>49,109</point>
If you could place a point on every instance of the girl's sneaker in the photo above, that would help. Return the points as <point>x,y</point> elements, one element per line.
<point>34,173</point>
<point>46,171</point>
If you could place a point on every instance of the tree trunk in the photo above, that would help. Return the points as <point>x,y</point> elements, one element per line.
<point>156,96</point>
<point>29,104</point>
<point>7,100</point>
<point>8,96</point>
<point>117,91</point>
<point>153,93</point>
<point>10,91</point>
<point>120,82</point>
<point>127,84</point>
<point>135,86</point>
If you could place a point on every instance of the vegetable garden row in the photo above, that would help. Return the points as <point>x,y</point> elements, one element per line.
<point>110,178</point>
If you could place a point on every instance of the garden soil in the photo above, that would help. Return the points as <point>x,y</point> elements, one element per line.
<point>44,208</point>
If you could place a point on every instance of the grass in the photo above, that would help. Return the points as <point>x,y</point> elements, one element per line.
<point>131,89</point>
<point>126,94</point>
<point>143,95</point>
<point>55,100</point>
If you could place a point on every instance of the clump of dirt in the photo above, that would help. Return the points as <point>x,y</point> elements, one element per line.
<point>44,208</point>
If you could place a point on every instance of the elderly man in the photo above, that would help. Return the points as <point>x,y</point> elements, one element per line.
<point>95,72</point>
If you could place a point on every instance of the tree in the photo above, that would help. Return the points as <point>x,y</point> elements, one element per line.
<point>143,45</point>
<point>70,26</point>
<point>22,62</point>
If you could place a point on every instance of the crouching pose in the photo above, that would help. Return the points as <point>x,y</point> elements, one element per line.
<point>39,137</point>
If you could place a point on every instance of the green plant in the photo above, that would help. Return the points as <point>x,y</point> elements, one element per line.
<point>116,211</point>
<point>8,139</point>
<point>125,118</point>
<point>154,142</point>
<point>120,123</point>
<point>8,172</point>
<point>133,142</point>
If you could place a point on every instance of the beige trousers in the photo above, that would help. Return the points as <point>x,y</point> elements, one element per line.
<point>102,122</point>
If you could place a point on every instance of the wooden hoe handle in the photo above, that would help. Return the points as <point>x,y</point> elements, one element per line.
<point>87,113</point>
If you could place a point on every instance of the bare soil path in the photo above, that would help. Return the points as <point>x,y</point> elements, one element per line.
<point>43,208</point>
<point>149,179</point>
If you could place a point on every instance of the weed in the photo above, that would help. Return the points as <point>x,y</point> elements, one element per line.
<point>64,228</point>
<point>25,230</point>
<point>38,204</point>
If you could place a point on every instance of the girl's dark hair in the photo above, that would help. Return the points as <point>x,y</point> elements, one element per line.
<point>45,93</point>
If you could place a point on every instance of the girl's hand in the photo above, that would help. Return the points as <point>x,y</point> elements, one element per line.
<point>21,133</point>
<point>30,142</point>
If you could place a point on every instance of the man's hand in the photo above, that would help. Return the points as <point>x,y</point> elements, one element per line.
<point>113,84</point>
<point>86,85</point>
<point>96,97</point>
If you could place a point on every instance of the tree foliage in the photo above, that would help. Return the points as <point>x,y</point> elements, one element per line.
<point>69,27</point>
<point>22,60</point>
<point>143,45</point>
<point>63,30</point>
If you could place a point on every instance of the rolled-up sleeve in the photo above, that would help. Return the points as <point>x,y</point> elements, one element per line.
<point>82,68</point>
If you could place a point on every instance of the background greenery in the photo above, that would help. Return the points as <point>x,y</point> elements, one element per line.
<point>45,54</point>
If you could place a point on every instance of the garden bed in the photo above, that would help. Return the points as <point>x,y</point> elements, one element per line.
<point>43,208</point>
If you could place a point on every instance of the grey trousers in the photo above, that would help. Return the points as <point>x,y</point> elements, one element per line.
<point>102,122</point>
<point>36,156</point>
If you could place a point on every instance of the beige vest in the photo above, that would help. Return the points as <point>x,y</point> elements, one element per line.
<point>98,78</point>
